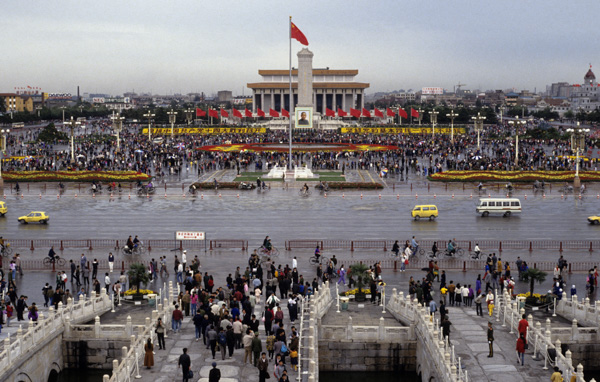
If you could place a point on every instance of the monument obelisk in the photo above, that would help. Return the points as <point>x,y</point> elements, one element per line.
<point>305,78</point>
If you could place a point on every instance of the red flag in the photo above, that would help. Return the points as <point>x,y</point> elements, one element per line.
<point>390,112</point>
<point>200,112</point>
<point>341,113</point>
<point>285,113</point>
<point>298,35</point>
<point>414,113</point>
<point>213,113</point>
<point>247,113</point>
<point>355,113</point>
<point>329,112</point>
<point>224,113</point>
<point>378,113</point>
<point>273,113</point>
<point>259,112</point>
<point>236,113</point>
<point>403,113</point>
<point>366,113</point>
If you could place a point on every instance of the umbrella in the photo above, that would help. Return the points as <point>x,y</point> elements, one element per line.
<point>139,151</point>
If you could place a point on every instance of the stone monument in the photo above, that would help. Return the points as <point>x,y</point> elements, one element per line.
<point>305,78</point>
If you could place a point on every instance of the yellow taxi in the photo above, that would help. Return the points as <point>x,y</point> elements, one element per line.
<point>3,208</point>
<point>594,219</point>
<point>429,211</point>
<point>35,217</point>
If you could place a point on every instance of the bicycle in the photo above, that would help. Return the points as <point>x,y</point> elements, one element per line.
<point>7,250</point>
<point>263,251</point>
<point>305,192</point>
<point>136,250</point>
<point>322,259</point>
<point>57,260</point>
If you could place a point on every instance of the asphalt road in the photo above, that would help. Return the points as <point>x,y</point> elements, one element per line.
<point>283,214</point>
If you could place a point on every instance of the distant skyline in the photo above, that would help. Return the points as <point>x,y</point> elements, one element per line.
<point>186,46</point>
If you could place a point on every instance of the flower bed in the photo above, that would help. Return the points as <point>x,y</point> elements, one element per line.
<point>353,292</point>
<point>513,176</point>
<point>133,291</point>
<point>332,185</point>
<point>74,176</point>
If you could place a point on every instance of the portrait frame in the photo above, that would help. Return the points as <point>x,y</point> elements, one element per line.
<point>303,121</point>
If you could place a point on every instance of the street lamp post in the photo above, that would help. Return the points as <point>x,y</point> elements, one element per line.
<point>517,124</point>
<point>172,116</point>
<point>72,124</point>
<point>433,116</point>
<point>4,134</point>
<point>149,115</point>
<point>502,108</point>
<point>189,116</point>
<point>420,115</point>
<point>478,125</point>
<point>117,126</point>
<point>452,115</point>
<point>577,136</point>
<point>63,112</point>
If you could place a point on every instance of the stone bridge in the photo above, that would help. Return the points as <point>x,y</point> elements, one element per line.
<point>36,352</point>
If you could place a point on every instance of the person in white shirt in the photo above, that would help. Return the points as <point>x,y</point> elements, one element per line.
<point>107,282</point>
<point>294,263</point>
<point>184,258</point>
<point>477,251</point>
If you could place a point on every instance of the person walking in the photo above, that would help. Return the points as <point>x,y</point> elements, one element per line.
<point>160,333</point>
<point>94,269</point>
<point>148,356</point>
<point>478,302</point>
<point>522,328</point>
<point>215,374</point>
<point>446,328</point>
<point>490,337</point>
<point>176,317</point>
<point>185,363</point>
<point>521,349</point>
<point>107,282</point>
<point>263,368</point>
<point>489,299</point>
<point>256,348</point>
<point>111,262</point>
<point>247,342</point>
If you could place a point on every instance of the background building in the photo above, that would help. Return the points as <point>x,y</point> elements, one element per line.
<point>332,89</point>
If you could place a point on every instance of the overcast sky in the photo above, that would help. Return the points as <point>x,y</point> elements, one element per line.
<point>165,47</point>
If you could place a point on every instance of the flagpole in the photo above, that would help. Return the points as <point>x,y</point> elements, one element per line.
<point>291,98</point>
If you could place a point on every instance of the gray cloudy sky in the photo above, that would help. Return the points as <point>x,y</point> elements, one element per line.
<point>113,46</point>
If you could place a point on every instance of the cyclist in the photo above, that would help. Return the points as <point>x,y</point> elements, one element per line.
<point>17,188</point>
<point>451,248</point>
<point>258,183</point>
<point>396,248</point>
<point>52,254</point>
<point>305,188</point>
<point>1,244</point>
<point>480,186</point>
<point>414,245</point>
<point>477,251</point>
<point>129,245</point>
<point>434,249</point>
<point>216,183</point>
<point>136,242</point>
<point>318,254</point>
<point>407,251</point>
<point>267,245</point>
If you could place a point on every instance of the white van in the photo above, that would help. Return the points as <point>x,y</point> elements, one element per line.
<point>504,206</point>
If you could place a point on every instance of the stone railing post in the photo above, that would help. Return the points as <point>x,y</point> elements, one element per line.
<point>547,343</point>
<point>105,378</point>
<point>115,368</point>
<point>381,329</point>
<point>548,325</point>
<point>128,326</point>
<point>349,329</point>
<point>7,347</point>
<point>558,349</point>
<point>569,362</point>
<point>574,331</point>
<point>97,328</point>
<point>171,293</point>
<point>124,350</point>
<point>580,373</point>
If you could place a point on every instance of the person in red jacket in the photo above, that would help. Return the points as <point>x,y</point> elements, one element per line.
<point>522,329</point>
<point>176,319</point>
<point>521,350</point>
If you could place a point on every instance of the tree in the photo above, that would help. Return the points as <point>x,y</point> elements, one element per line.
<point>360,272</point>
<point>569,114</point>
<point>534,275</point>
<point>137,275</point>
<point>50,134</point>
